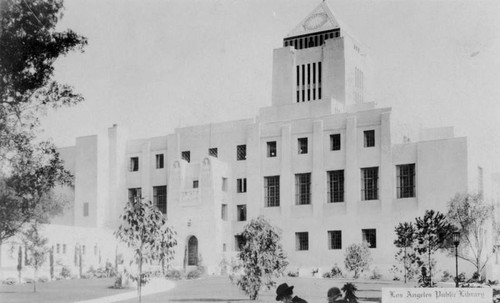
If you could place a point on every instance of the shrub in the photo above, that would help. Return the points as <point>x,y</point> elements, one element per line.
<point>173,274</point>
<point>357,258</point>
<point>336,272</point>
<point>118,282</point>
<point>327,275</point>
<point>28,280</point>
<point>65,272</point>
<point>43,279</point>
<point>293,274</point>
<point>447,276</point>
<point>376,275</point>
<point>194,274</point>
<point>9,281</point>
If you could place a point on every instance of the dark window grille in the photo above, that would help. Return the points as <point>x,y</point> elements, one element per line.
<point>241,152</point>
<point>370,236</point>
<point>213,152</point>
<point>186,155</point>
<point>160,198</point>
<point>86,209</point>
<point>272,191</point>
<point>369,138</point>
<point>369,183</point>
<point>302,241</point>
<point>239,242</point>
<point>335,142</point>
<point>303,189</point>
<point>335,239</point>
<point>405,180</point>
<point>196,183</point>
<point>241,212</point>
<point>271,149</point>
<point>335,186</point>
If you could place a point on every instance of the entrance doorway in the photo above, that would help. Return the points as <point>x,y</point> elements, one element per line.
<point>192,251</point>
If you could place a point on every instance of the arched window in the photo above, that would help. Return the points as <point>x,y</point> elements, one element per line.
<point>193,251</point>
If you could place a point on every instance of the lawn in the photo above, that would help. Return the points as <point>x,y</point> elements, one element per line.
<point>220,289</point>
<point>60,291</point>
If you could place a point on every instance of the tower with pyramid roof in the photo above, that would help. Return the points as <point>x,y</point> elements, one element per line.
<point>320,61</point>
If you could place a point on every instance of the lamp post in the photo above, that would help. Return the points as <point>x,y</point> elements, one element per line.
<point>456,241</point>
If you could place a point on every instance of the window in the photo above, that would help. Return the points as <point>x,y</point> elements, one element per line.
<point>95,250</point>
<point>134,164</point>
<point>213,152</point>
<point>335,142</point>
<point>369,138</point>
<point>241,185</point>
<point>405,180</point>
<point>302,241</point>
<point>195,183</point>
<point>86,209</point>
<point>241,212</point>
<point>303,189</point>
<point>370,236</point>
<point>64,248</point>
<point>134,193</point>
<point>223,212</point>
<point>271,149</point>
<point>241,152</point>
<point>239,242</point>
<point>160,198</point>
<point>159,161</point>
<point>302,144</point>
<point>58,246</point>
<point>335,186</point>
<point>369,183</point>
<point>272,191</point>
<point>186,155</point>
<point>335,239</point>
<point>224,184</point>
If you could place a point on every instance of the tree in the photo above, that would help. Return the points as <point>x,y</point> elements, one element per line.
<point>37,248</point>
<point>432,232</point>
<point>406,254</point>
<point>357,258</point>
<point>19,263</point>
<point>472,215</point>
<point>144,229</point>
<point>29,46</point>
<point>261,258</point>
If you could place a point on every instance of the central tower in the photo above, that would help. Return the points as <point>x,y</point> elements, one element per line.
<point>320,62</point>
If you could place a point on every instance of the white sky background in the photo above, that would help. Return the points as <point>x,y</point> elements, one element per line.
<point>152,66</point>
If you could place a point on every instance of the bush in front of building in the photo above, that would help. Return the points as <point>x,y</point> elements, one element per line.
<point>173,274</point>
<point>261,258</point>
<point>194,274</point>
<point>375,275</point>
<point>9,281</point>
<point>357,258</point>
<point>335,272</point>
<point>65,272</point>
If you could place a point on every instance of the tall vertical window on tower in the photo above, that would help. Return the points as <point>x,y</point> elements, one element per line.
<point>308,82</point>
<point>298,83</point>
<point>314,81</point>
<point>369,183</point>
<point>405,178</point>
<point>358,85</point>
<point>86,209</point>
<point>335,186</point>
<point>159,161</point>
<point>134,164</point>
<point>241,152</point>
<point>272,191</point>
<point>186,155</point>
<point>303,189</point>
<point>319,80</point>
<point>369,138</point>
<point>271,149</point>
<point>241,185</point>
<point>160,198</point>
<point>302,145</point>
<point>303,82</point>
<point>223,212</point>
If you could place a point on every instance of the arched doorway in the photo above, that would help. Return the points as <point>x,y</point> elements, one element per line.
<point>192,251</point>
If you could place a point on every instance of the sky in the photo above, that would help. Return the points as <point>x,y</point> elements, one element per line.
<point>152,66</point>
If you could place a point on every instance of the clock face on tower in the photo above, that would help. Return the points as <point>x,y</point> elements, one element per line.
<point>315,21</point>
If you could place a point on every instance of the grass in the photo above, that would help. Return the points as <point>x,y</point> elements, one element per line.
<point>60,291</point>
<point>220,289</point>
